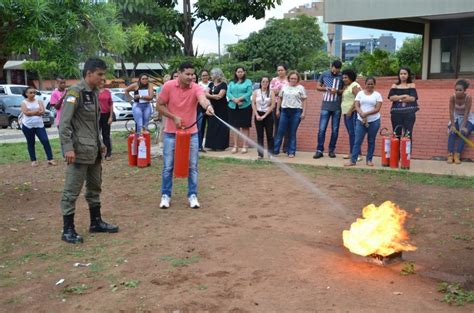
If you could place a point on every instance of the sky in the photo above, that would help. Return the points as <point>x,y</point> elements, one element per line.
<point>205,37</point>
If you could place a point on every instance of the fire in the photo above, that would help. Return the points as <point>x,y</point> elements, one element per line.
<point>380,231</point>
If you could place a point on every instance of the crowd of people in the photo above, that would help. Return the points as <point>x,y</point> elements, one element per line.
<point>276,107</point>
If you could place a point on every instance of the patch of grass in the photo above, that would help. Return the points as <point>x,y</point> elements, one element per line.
<point>455,294</point>
<point>462,237</point>
<point>77,290</point>
<point>133,283</point>
<point>176,262</point>
<point>381,175</point>
<point>17,152</point>
<point>408,269</point>
<point>201,287</point>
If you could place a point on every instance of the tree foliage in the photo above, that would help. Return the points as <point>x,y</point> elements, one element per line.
<point>379,63</point>
<point>297,42</point>
<point>57,34</point>
<point>180,26</point>
<point>410,54</point>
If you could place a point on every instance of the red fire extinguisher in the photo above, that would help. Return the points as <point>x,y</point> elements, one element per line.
<point>405,152</point>
<point>142,152</point>
<point>385,155</point>
<point>147,136</point>
<point>181,153</point>
<point>394,151</point>
<point>132,149</point>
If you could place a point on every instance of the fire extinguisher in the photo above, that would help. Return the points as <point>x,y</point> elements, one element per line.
<point>181,153</point>
<point>142,152</point>
<point>132,148</point>
<point>394,149</point>
<point>385,155</point>
<point>146,135</point>
<point>405,152</point>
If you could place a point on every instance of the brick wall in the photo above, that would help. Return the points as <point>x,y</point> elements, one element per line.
<point>430,131</point>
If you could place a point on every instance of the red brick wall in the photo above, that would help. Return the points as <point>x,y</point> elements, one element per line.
<point>430,131</point>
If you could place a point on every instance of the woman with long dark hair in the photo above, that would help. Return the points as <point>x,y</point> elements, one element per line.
<point>142,96</point>
<point>351,89</point>
<point>239,93</point>
<point>461,119</point>
<point>263,102</point>
<point>276,84</point>
<point>404,103</point>
<point>106,117</point>
<point>32,125</point>
<point>367,105</point>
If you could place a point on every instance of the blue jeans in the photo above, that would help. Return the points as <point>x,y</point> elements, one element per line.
<point>351,121</point>
<point>360,132</point>
<point>30,134</point>
<point>323,125</point>
<point>453,138</point>
<point>169,142</point>
<point>141,115</point>
<point>201,125</point>
<point>289,122</point>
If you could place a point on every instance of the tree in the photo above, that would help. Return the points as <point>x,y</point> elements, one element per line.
<point>377,63</point>
<point>64,34</point>
<point>283,41</point>
<point>410,54</point>
<point>182,26</point>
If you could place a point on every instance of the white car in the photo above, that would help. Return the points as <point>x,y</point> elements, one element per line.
<point>17,90</point>
<point>122,109</point>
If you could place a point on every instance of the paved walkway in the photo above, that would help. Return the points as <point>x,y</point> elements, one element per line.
<point>417,166</point>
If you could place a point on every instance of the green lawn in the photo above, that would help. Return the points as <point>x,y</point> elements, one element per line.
<point>18,152</point>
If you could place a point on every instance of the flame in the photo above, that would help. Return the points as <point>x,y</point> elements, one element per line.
<point>380,231</point>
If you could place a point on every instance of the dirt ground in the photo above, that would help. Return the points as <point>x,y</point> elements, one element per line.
<point>261,242</point>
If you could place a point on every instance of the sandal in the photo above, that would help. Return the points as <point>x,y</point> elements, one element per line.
<point>244,150</point>
<point>234,150</point>
<point>349,164</point>
<point>52,163</point>
<point>34,163</point>
<point>370,163</point>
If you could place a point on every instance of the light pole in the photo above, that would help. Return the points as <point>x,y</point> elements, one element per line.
<point>219,22</point>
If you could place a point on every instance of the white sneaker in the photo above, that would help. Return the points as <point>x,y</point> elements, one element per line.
<point>165,202</point>
<point>193,202</point>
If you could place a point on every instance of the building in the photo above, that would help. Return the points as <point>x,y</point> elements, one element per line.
<point>447,28</point>
<point>353,47</point>
<point>332,33</point>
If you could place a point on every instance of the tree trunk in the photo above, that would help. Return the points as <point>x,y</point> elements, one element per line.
<point>124,71</point>
<point>188,29</point>
<point>3,60</point>
<point>40,81</point>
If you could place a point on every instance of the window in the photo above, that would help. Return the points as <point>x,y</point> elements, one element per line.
<point>17,90</point>
<point>443,55</point>
<point>467,54</point>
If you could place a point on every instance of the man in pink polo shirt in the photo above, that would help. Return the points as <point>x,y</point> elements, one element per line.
<point>57,97</point>
<point>178,101</point>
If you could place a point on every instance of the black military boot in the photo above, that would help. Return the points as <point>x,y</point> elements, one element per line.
<point>69,233</point>
<point>98,225</point>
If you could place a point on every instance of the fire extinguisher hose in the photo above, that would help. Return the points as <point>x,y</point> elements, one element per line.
<point>469,142</point>
<point>199,118</point>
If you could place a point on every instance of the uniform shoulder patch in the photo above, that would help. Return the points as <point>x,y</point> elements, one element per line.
<point>72,96</point>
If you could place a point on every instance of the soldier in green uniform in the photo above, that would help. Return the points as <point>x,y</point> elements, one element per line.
<point>83,150</point>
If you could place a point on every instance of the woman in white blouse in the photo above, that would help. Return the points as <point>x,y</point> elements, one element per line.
<point>292,101</point>
<point>263,103</point>
<point>367,104</point>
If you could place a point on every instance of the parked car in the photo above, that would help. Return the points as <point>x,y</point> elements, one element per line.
<point>17,90</point>
<point>120,94</point>
<point>122,109</point>
<point>12,105</point>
